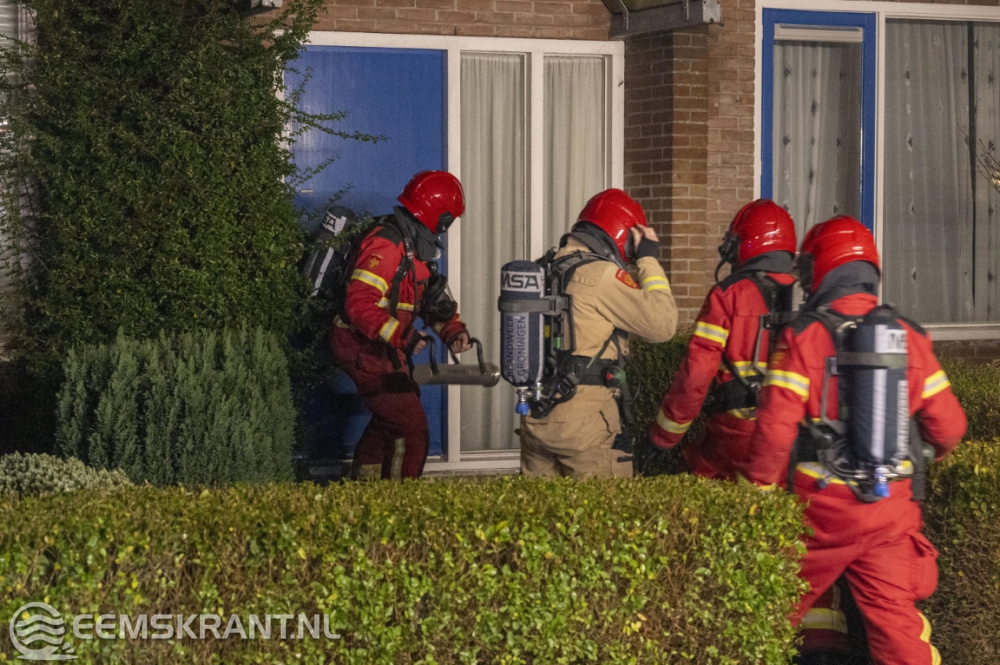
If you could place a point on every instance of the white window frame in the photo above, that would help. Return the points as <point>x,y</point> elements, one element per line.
<point>535,51</point>
<point>883,11</point>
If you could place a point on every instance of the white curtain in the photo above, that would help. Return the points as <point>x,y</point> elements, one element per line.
<point>940,232</point>
<point>493,226</point>
<point>575,139</point>
<point>986,243</point>
<point>816,143</point>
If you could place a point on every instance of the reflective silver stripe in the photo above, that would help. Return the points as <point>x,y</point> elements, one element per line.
<point>388,329</point>
<point>371,279</point>
<point>397,459</point>
<point>404,306</point>
<point>712,332</point>
<point>878,413</point>
<point>797,383</point>
<point>655,283</point>
<point>935,383</point>
<point>824,619</point>
<point>669,425</point>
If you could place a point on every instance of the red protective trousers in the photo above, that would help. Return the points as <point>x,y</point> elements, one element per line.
<point>395,442</point>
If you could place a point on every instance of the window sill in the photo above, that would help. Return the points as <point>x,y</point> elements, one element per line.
<point>953,332</point>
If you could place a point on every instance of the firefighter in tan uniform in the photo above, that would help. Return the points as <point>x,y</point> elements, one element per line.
<point>576,437</point>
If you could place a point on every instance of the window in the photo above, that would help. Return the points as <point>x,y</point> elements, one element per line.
<point>926,103</point>
<point>941,211</point>
<point>533,128</point>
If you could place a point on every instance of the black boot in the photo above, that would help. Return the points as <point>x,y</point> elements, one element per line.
<point>821,658</point>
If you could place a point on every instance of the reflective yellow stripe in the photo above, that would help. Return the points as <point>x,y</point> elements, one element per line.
<point>371,279</point>
<point>655,283</point>
<point>749,413</point>
<point>797,383</point>
<point>935,383</point>
<point>817,470</point>
<point>824,619</point>
<point>406,307</point>
<point>711,332</point>
<point>925,636</point>
<point>746,368</point>
<point>388,329</point>
<point>671,426</point>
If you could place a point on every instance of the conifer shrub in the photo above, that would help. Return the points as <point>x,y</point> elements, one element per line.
<point>512,570</point>
<point>35,475</point>
<point>201,407</point>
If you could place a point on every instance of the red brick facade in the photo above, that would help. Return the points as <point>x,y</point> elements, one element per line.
<point>544,19</point>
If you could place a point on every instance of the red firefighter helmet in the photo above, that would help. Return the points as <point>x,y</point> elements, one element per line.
<point>615,213</point>
<point>435,198</point>
<point>833,243</point>
<point>759,227</point>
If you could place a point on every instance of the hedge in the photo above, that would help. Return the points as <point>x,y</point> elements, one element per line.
<point>201,407</point>
<point>511,570</point>
<point>961,521</point>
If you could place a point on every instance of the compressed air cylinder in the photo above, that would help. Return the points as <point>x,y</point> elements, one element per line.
<point>879,393</point>
<point>522,324</point>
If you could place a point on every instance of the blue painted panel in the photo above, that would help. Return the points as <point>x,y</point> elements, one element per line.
<point>396,94</point>
<point>795,17</point>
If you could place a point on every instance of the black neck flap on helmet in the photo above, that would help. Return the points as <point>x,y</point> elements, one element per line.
<point>596,239</point>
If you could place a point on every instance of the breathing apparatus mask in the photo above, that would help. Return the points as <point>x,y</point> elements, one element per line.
<point>438,303</point>
<point>729,252</point>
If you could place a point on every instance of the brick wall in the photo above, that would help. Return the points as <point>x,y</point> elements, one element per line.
<point>547,19</point>
<point>666,139</point>
<point>689,142</point>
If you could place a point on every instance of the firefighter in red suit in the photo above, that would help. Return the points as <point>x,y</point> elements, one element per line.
<point>760,244</point>
<point>374,337</point>
<point>878,545</point>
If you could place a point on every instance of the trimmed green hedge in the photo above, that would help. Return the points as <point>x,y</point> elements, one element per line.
<point>977,387</point>
<point>203,408</point>
<point>961,521</point>
<point>512,570</point>
<point>650,368</point>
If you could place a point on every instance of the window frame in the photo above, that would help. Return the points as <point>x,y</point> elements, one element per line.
<point>535,52</point>
<point>882,12</point>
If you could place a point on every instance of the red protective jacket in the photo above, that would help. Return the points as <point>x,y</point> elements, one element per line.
<point>727,325</point>
<point>367,304</point>
<point>794,383</point>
